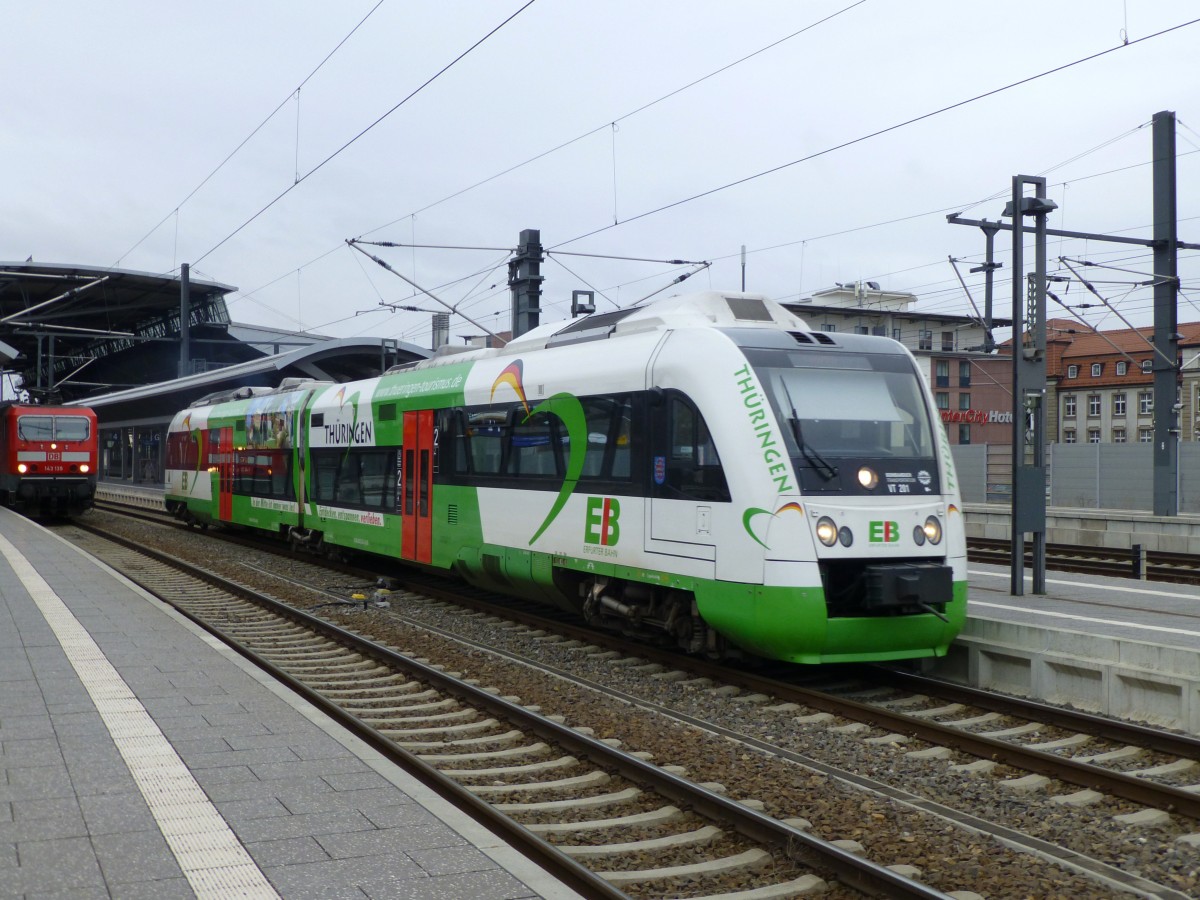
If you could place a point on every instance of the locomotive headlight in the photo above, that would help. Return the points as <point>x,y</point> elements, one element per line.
<point>54,446</point>
<point>84,468</point>
<point>22,468</point>
<point>919,536</point>
<point>933,530</point>
<point>827,531</point>
<point>868,478</point>
<point>846,536</point>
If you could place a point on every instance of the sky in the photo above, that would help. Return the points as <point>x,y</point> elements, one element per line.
<point>253,139</point>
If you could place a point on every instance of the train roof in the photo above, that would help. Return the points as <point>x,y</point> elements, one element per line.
<point>707,309</point>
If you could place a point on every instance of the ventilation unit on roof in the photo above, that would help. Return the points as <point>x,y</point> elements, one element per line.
<point>815,337</point>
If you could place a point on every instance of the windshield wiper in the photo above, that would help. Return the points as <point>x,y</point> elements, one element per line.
<point>815,459</point>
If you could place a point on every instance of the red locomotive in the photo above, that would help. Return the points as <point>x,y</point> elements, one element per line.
<point>48,457</point>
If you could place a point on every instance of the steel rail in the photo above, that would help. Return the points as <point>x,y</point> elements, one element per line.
<point>851,869</point>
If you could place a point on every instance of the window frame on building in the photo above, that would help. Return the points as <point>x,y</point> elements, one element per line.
<point>1069,436</point>
<point>1093,406</point>
<point>1145,403</point>
<point>1118,435</point>
<point>1069,406</point>
<point>1072,371</point>
<point>1119,404</point>
<point>1122,367</point>
<point>941,373</point>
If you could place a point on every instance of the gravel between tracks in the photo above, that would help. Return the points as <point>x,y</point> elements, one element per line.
<point>949,857</point>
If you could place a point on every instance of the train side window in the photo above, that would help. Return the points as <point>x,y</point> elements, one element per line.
<point>693,466</point>
<point>485,436</point>
<point>374,468</point>
<point>609,427</point>
<point>182,451</point>
<point>536,447</point>
<point>324,474</point>
<point>349,480</point>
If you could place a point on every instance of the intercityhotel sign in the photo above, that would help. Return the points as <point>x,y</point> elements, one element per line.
<point>978,416</point>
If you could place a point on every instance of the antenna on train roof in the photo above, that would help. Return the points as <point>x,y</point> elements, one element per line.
<point>353,243</point>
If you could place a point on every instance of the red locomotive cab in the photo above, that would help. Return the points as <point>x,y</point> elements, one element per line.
<point>49,458</point>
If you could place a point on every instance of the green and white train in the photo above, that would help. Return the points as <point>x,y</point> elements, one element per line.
<point>704,468</point>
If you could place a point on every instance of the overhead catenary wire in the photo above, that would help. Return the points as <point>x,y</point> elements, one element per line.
<point>428,293</point>
<point>621,118</point>
<point>336,153</point>
<point>294,93</point>
<point>878,132</point>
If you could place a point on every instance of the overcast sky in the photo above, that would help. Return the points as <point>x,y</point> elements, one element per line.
<point>596,123</point>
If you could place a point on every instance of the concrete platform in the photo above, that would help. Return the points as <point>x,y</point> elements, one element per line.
<point>1112,529</point>
<point>1125,648</point>
<point>139,758</point>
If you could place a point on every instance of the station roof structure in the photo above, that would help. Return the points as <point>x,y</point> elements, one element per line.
<point>80,329</point>
<point>339,360</point>
<point>73,333</point>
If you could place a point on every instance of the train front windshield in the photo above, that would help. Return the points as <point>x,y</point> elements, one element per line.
<point>53,428</point>
<point>842,409</point>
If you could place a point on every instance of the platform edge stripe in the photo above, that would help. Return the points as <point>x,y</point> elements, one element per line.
<point>224,864</point>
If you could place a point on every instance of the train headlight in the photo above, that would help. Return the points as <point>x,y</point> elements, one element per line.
<point>22,468</point>
<point>54,446</point>
<point>846,536</point>
<point>868,478</point>
<point>85,468</point>
<point>919,536</point>
<point>933,530</point>
<point>827,531</point>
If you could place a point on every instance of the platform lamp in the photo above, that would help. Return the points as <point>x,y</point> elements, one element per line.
<point>583,303</point>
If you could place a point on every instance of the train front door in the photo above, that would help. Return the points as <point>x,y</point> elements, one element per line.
<point>225,474</point>
<point>416,486</point>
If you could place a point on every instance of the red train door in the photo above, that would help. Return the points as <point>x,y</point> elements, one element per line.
<point>416,473</point>
<point>225,474</point>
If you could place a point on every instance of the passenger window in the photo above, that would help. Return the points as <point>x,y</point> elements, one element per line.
<point>693,466</point>
<point>608,437</point>
<point>536,446</point>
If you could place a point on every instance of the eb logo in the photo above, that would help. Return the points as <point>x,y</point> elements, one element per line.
<point>600,524</point>
<point>883,533</point>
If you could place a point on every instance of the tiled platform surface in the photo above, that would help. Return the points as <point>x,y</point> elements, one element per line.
<point>90,805</point>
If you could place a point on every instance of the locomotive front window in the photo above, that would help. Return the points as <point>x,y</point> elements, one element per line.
<point>53,428</point>
<point>71,428</point>
<point>35,428</point>
<point>841,411</point>
<point>857,413</point>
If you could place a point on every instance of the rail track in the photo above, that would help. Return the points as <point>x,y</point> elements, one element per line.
<point>895,721</point>
<point>1150,565</point>
<point>605,820</point>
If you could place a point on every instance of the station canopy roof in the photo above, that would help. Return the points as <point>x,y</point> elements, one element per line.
<point>75,332</point>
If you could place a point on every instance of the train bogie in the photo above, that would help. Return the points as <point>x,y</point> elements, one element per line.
<point>704,470</point>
